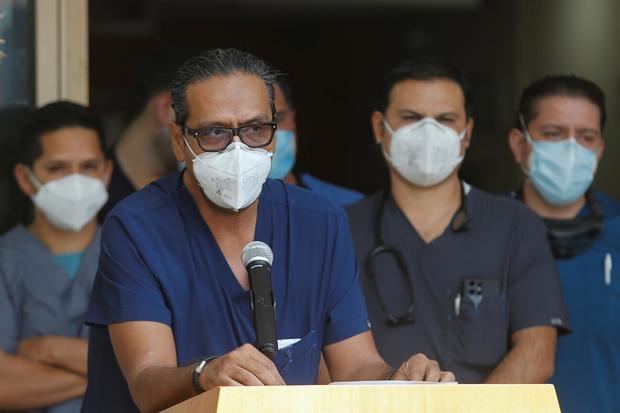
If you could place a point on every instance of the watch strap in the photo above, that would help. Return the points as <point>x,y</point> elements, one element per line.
<point>197,371</point>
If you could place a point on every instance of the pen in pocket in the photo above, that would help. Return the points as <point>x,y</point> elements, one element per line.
<point>607,266</point>
<point>457,304</point>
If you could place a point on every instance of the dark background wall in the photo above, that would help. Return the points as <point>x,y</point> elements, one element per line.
<point>335,57</point>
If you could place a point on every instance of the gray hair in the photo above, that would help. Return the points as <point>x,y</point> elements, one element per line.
<point>217,62</point>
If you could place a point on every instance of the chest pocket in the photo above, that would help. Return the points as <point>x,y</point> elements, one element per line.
<point>299,362</point>
<point>479,335</point>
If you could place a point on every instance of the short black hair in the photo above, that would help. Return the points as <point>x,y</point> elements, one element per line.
<point>52,117</point>
<point>217,62</point>
<point>285,87</point>
<point>559,85</point>
<point>424,68</point>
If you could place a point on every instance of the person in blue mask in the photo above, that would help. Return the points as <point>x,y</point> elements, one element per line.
<point>285,153</point>
<point>558,143</point>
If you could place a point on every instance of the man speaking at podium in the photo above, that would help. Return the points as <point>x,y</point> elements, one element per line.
<point>170,311</point>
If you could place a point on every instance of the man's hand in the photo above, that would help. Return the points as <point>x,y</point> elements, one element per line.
<point>146,354</point>
<point>420,368</point>
<point>244,366</point>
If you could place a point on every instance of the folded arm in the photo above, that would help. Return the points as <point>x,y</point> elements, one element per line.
<point>69,353</point>
<point>25,384</point>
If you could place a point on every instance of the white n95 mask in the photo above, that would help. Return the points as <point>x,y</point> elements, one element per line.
<point>425,152</point>
<point>234,177</point>
<point>71,202</point>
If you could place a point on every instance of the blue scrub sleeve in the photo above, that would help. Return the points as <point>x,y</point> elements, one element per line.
<point>535,293</point>
<point>347,315</point>
<point>8,317</point>
<point>125,289</point>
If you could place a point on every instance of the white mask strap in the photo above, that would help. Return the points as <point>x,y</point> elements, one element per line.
<point>189,147</point>
<point>387,126</point>
<point>463,133</point>
<point>33,179</point>
<point>526,132</point>
<point>391,131</point>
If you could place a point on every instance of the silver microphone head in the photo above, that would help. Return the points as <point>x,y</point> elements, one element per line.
<point>256,250</point>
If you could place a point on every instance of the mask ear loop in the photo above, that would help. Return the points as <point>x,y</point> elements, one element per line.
<point>387,126</point>
<point>189,147</point>
<point>33,179</point>
<point>528,139</point>
<point>391,131</point>
<point>526,133</point>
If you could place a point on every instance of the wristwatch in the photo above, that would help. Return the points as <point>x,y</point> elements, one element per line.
<point>196,375</point>
<point>198,368</point>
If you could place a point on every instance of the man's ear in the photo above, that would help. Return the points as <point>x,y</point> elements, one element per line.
<point>23,180</point>
<point>293,114</point>
<point>108,168</point>
<point>600,153</point>
<point>517,143</point>
<point>161,107</point>
<point>378,128</point>
<point>176,140</point>
<point>468,133</point>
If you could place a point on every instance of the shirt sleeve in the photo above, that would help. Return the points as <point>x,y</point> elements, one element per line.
<point>124,288</point>
<point>347,315</point>
<point>8,316</point>
<point>535,293</point>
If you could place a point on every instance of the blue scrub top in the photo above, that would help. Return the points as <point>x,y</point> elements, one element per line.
<point>160,262</point>
<point>38,298</point>
<point>610,207</point>
<point>587,370</point>
<point>337,194</point>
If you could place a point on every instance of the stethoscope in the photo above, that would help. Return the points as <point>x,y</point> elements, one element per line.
<point>459,223</point>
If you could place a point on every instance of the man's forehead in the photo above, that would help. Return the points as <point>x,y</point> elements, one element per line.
<point>436,93</point>
<point>237,94</point>
<point>565,109</point>
<point>221,86</point>
<point>71,143</point>
<point>70,137</point>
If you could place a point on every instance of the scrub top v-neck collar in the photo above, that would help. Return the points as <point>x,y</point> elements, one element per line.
<point>61,279</point>
<point>198,229</point>
<point>398,223</point>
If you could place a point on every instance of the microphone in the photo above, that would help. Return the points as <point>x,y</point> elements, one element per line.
<point>257,258</point>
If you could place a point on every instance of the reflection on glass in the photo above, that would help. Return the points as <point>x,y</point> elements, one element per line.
<point>16,52</point>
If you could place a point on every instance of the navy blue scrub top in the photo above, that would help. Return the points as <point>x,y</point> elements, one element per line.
<point>336,194</point>
<point>503,244</point>
<point>160,262</point>
<point>587,369</point>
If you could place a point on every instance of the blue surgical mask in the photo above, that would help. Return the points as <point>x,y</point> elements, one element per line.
<point>561,171</point>
<point>284,155</point>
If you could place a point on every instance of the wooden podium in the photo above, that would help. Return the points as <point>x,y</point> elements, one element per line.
<point>436,398</point>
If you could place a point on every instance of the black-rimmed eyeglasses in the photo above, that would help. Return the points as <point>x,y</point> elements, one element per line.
<point>217,138</point>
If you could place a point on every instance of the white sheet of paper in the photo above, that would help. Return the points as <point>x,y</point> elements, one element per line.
<point>388,382</point>
<point>286,342</point>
